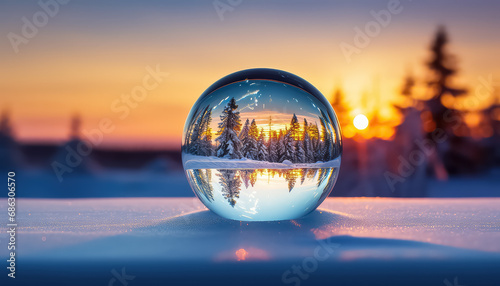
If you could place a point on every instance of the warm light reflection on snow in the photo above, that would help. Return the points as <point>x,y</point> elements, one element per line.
<point>241,254</point>
<point>247,253</point>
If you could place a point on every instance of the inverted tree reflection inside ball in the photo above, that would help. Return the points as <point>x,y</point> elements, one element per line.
<point>262,194</point>
<point>261,149</point>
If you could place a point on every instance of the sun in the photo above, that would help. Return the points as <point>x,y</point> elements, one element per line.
<point>360,122</point>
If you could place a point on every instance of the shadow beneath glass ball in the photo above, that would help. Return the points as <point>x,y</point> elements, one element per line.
<point>210,235</point>
<point>207,221</point>
<point>203,235</point>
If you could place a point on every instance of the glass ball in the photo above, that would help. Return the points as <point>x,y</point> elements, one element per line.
<point>262,145</point>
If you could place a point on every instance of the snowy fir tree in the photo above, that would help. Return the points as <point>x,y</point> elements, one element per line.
<point>315,141</point>
<point>244,130</point>
<point>442,67</point>
<point>229,143</point>
<point>326,146</point>
<point>262,147</point>
<point>195,135</point>
<point>291,178</point>
<point>253,178</point>
<point>303,175</point>
<point>199,131</point>
<point>280,147</point>
<point>202,179</point>
<point>273,147</point>
<point>206,148</point>
<point>323,173</point>
<point>300,156</point>
<point>249,149</point>
<point>245,177</point>
<point>295,128</point>
<point>231,185</point>
<point>294,143</point>
<point>187,137</point>
<point>308,147</point>
<point>289,147</point>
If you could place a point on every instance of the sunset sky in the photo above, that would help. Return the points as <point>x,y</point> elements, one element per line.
<point>90,53</point>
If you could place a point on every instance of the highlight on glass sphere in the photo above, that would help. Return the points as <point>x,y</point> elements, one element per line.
<point>262,145</point>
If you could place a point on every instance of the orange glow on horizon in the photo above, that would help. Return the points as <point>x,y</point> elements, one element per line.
<point>73,68</point>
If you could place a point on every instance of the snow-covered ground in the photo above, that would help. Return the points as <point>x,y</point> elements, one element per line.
<point>202,162</point>
<point>169,241</point>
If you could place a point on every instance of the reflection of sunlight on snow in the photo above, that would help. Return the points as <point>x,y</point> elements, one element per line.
<point>243,254</point>
<point>336,227</point>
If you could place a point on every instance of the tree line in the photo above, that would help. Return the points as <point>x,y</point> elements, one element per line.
<point>296,143</point>
<point>231,180</point>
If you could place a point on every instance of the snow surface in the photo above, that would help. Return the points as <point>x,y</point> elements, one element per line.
<point>202,162</point>
<point>165,241</point>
